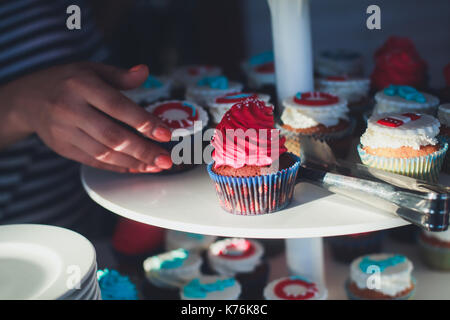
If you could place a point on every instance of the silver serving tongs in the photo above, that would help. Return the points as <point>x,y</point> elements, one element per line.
<point>419,202</point>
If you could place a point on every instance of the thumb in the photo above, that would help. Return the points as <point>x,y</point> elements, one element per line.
<point>122,79</point>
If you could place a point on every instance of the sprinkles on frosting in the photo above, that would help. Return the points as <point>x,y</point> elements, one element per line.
<point>114,286</point>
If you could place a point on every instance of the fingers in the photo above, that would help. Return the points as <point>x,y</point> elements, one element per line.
<point>110,101</point>
<point>104,154</point>
<point>118,139</point>
<point>121,78</point>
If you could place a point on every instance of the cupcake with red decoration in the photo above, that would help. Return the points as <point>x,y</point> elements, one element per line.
<point>186,119</point>
<point>219,106</point>
<point>398,62</point>
<point>252,172</point>
<point>294,288</point>
<point>338,62</point>
<point>242,259</point>
<point>153,89</point>
<point>354,90</point>
<point>208,88</point>
<point>405,143</point>
<point>399,99</point>
<point>320,115</point>
<point>260,70</point>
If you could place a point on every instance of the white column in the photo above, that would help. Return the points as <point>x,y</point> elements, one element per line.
<point>291,32</point>
<point>305,258</point>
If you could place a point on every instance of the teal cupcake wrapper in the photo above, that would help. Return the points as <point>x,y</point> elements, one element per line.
<point>424,168</point>
<point>409,296</point>
<point>256,195</point>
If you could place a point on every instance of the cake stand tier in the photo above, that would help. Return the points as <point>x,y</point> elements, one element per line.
<point>187,202</point>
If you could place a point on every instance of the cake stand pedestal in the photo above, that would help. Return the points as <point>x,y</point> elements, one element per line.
<point>293,53</point>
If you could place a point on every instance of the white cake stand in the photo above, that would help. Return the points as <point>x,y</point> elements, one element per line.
<point>187,201</point>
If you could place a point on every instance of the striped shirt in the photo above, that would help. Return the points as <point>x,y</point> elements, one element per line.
<point>37,185</point>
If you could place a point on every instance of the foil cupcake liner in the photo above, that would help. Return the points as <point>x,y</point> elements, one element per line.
<point>424,168</point>
<point>256,195</point>
<point>435,257</point>
<point>408,296</point>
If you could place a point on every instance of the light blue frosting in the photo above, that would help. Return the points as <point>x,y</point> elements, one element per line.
<point>180,255</point>
<point>196,289</point>
<point>405,92</point>
<point>366,262</point>
<point>190,106</point>
<point>218,82</point>
<point>261,58</point>
<point>195,236</point>
<point>114,286</point>
<point>239,96</point>
<point>152,82</point>
<point>298,95</point>
<point>300,278</point>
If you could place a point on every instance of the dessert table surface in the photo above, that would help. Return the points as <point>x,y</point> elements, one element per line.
<point>187,202</point>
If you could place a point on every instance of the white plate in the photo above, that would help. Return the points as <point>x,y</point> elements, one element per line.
<point>85,287</point>
<point>42,262</point>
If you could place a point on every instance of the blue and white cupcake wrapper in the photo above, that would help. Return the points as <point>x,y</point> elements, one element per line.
<point>424,168</point>
<point>256,195</point>
<point>409,296</point>
<point>446,165</point>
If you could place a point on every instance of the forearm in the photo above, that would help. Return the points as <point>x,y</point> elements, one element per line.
<point>11,128</point>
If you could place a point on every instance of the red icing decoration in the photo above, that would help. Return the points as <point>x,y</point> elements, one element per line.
<point>248,114</point>
<point>195,71</point>
<point>311,289</point>
<point>247,252</point>
<point>337,78</point>
<point>175,124</point>
<point>398,62</point>
<point>394,123</point>
<point>316,99</point>
<point>226,98</point>
<point>265,68</point>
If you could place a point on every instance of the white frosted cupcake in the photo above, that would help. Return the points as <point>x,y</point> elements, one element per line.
<point>189,75</point>
<point>260,70</point>
<point>172,269</point>
<point>153,89</point>
<point>354,90</point>
<point>381,276</point>
<point>220,105</point>
<point>189,241</point>
<point>294,288</point>
<point>405,143</point>
<point>339,63</point>
<point>320,115</point>
<point>211,87</point>
<point>211,288</point>
<point>405,99</point>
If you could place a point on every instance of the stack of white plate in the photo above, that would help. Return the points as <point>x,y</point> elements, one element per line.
<point>41,262</point>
